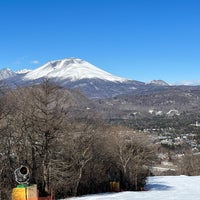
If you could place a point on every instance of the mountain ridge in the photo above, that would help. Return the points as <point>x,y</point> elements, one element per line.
<point>81,75</point>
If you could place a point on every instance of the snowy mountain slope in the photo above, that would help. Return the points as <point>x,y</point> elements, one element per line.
<point>158,188</point>
<point>6,73</point>
<point>80,75</point>
<point>73,68</point>
<point>23,71</point>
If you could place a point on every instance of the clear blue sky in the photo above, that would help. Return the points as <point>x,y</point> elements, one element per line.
<point>136,39</point>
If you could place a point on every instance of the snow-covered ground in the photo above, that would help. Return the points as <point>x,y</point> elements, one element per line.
<point>158,188</point>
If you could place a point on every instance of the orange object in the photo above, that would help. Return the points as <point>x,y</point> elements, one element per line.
<point>19,194</point>
<point>29,193</point>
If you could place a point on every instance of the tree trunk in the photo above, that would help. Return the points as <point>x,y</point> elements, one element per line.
<point>78,181</point>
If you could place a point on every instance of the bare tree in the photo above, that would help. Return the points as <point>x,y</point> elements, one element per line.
<point>78,146</point>
<point>69,153</point>
<point>190,164</point>
<point>133,153</point>
<point>37,123</point>
<point>8,141</point>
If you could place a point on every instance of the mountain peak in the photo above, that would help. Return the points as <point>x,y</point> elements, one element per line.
<point>73,69</point>
<point>6,73</point>
<point>57,64</point>
<point>159,83</point>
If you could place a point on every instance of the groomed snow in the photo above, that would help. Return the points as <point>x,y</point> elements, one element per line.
<point>158,188</point>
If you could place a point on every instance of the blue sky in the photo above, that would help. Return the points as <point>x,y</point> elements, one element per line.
<point>135,39</point>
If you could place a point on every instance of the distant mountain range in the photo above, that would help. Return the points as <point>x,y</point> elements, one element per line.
<point>78,74</point>
<point>116,99</point>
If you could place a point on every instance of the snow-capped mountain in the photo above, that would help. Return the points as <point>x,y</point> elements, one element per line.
<point>74,69</point>
<point>77,74</point>
<point>6,73</point>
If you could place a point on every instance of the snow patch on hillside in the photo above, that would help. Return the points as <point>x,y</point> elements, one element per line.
<point>173,112</point>
<point>23,71</point>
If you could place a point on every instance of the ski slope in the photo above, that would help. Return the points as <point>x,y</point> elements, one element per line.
<point>158,188</point>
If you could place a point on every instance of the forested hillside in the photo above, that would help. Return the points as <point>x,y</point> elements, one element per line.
<point>66,145</point>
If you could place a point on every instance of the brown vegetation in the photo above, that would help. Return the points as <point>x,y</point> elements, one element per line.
<point>71,155</point>
<point>189,164</point>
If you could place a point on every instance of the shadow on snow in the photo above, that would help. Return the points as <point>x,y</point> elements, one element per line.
<point>158,187</point>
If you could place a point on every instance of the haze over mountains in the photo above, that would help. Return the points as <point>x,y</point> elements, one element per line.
<point>79,74</point>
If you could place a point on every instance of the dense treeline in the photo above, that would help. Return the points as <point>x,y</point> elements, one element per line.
<point>66,154</point>
<point>181,123</point>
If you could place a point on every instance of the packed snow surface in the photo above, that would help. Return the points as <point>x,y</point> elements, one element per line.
<point>73,69</point>
<point>158,188</point>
